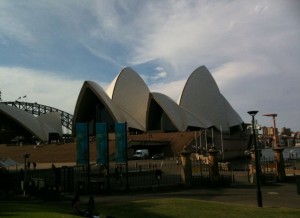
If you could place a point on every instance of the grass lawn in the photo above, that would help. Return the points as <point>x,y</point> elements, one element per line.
<point>158,208</point>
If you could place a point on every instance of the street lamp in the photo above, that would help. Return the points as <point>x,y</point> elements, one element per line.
<point>259,197</point>
<point>26,156</point>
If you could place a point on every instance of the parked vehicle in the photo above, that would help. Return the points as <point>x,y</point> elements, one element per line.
<point>141,154</point>
<point>158,156</point>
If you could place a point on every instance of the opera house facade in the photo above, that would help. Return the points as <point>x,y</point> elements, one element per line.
<point>128,99</point>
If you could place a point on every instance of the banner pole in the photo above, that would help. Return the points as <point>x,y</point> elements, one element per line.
<point>126,156</point>
<point>88,160</point>
<point>107,160</point>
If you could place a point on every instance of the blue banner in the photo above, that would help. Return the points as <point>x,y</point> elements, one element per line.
<point>121,142</point>
<point>101,143</point>
<point>82,144</point>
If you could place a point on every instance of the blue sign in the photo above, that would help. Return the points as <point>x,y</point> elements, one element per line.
<point>101,143</point>
<point>82,144</point>
<point>121,142</point>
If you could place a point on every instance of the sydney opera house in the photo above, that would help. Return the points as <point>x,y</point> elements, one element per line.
<point>128,99</point>
<point>200,107</point>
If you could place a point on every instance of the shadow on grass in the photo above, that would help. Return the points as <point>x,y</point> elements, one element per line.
<point>132,209</point>
<point>32,208</point>
<point>159,208</point>
<point>57,209</point>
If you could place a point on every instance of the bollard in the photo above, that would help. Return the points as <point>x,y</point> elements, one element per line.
<point>280,169</point>
<point>213,165</point>
<point>298,184</point>
<point>186,168</point>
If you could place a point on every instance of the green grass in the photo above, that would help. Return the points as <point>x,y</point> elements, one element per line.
<point>158,208</point>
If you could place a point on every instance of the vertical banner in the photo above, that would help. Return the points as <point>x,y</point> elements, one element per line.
<point>82,143</point>
<point>101,143</point>
<point>121,142</point>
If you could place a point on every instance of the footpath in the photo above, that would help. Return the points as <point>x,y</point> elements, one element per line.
<point>273,195</point>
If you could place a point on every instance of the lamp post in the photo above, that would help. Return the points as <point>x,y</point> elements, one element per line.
<point>258,191</point>
<point>26,156</point>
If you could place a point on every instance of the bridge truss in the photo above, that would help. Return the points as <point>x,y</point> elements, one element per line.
<point>38,109</point>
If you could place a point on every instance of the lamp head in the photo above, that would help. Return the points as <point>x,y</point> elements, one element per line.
<point>252,113</point>
<point>270,115</point>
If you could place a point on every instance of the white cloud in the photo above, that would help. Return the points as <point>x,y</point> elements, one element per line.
<point>231,73</point>
<point>41,87</point>
<point>159,74</point>
<point>12,27</point>
<point>252,48</point>
<point>172,89</point>
<point>191,34</point>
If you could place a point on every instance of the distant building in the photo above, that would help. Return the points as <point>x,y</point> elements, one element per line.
<point>285,131</point>
<point>286,137</point>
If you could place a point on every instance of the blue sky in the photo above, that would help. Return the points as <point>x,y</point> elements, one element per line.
<point>252,48</point>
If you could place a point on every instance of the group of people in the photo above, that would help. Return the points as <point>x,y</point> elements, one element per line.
<point>29,164</point>
<point>89,211</point>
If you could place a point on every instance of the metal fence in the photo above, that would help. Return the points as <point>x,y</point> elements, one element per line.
<point>269,168</point>
<point>142,175</point>
<point>201,174</point>
<point>98,179</point>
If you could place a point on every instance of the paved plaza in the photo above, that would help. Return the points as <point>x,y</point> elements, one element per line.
<point>241,192</point>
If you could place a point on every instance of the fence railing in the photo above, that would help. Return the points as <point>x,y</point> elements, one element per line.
<point>99,179</point>
<point>201,174</point>
<point>143,174</point>
<point>269,166</point>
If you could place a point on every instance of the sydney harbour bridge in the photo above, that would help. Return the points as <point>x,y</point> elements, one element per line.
<point>38,109</point>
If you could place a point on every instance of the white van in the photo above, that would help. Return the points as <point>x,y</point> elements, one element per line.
<point>141,154</point>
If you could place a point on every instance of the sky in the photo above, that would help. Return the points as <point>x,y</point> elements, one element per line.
<point>252,49</point>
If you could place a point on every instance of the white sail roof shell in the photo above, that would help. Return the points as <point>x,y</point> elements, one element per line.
<point>201,96</point>
<point>130,93</point>
<point>233,118</point>
<point>172,110</point>
<point>192,120</point>
<point>40,126</point>
<point>102,96</point>
<point>116,112</point>
<point>201,104</point>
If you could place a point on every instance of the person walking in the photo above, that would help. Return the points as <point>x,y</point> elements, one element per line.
<point>76,206</point>
<point>22,179</point>
<point>90,207</point>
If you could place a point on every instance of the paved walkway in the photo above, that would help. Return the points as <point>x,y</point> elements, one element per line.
<point>273,195</point>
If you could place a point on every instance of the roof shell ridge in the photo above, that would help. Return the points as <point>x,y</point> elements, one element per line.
<point>111,90</point>
<point>171,108</point>
<point>199,75</point>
